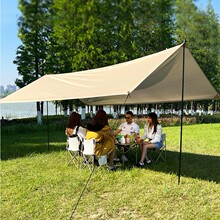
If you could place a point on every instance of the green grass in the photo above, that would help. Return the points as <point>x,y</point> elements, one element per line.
<point>36,183</point>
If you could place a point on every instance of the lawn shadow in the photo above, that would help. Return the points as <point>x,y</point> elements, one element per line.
<point>26,149</point>
<point>199,166</point>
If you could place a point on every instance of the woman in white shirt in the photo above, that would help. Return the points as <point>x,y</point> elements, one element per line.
<point>73,123</point>
<point>152,131</point>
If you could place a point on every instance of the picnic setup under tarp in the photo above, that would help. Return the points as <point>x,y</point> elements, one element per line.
<point>171,75</point>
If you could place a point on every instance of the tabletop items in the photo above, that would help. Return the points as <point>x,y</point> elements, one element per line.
<point>127,138</point>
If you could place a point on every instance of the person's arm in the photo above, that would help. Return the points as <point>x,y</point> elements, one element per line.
<point>137,130</point>
<point>136,135</point>
<point>144,135</point>
<point>117,131</point>
<point>68,132</point>
<point>111,132</point>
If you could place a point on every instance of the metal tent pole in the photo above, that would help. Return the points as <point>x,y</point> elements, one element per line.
<point>181,118</point>
<point>48,138</point>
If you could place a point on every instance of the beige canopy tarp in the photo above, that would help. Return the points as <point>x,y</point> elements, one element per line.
<point>154,78</point>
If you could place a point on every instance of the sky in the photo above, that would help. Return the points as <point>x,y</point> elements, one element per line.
<point>10,40</point>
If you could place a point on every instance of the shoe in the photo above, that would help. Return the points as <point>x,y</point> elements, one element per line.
<point>85,162</point>
<point>148,161</point>
<point>124,158</point>
<point>110,168</point>
<point>140,164</point>
<point>116,159</point>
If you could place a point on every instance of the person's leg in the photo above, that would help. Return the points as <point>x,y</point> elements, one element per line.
<point>141,146</point>
<point>146,146</point>
<point>111,157</point>
<point>115,158</point>
<point>149,146</point>
<point>109,148</point>
<point>144,152</point>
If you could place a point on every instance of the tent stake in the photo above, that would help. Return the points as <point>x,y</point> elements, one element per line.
<point>181,117</point>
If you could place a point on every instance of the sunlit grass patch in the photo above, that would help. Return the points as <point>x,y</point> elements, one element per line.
<point>37,183</point>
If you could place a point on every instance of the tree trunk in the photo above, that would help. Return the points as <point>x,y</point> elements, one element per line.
<point>126,108</point>
<point>39,115</point>
<point>65,107</point>
<point>110,109</point>
<point>70,105</point>
<point>42,108</point>
<point>138,109</point>
<point>91,111</point>
<point>83,116</point>
<point>206,106</point>
<point>194,106</point>
<point>213,105</point>
<point>56,106</point>
<point>149,108</point>
<point>114,111</point>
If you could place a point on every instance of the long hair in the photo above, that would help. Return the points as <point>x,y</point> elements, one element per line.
<point>101,118</point>
<point>74,120</point>
<point>155,122</point>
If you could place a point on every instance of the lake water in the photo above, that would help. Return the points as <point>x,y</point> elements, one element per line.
<point>28,110</point>
<point>25,110</point>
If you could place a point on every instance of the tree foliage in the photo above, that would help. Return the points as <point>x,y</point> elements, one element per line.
<point>60,36</point>
<point>34,33</point>
<point>201,30</point>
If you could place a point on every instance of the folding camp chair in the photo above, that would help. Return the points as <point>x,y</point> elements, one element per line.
<point>89,155</point>
<point>73,147</point>
<point>161,152</point>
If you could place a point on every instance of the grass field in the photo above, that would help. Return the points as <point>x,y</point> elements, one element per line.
<point>37,183</point>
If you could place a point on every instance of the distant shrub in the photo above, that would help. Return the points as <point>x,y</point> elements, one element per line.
<point>208,119</point>
<point>28,125</point>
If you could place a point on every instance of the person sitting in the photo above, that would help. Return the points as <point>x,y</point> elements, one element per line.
<point>73,124</point>
<point>104,136</point>
<point>127,128</point>
<point>152,131</point>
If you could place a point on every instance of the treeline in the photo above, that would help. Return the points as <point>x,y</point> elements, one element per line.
<point>61,36</point>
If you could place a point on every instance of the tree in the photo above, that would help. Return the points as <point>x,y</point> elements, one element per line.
<point>201,30</point>
<point>208,51</point>
<point>72,37</point>
<point>154,26</point>
<point>34,33</point>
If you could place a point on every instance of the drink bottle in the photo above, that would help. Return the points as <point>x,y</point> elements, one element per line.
<point>123,140</point>
<point>132,137</point>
